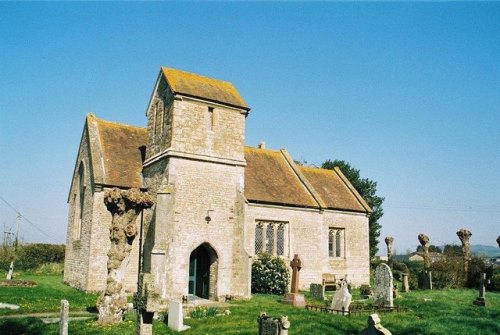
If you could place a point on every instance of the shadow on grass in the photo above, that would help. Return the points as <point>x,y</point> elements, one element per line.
<point>24,326</point>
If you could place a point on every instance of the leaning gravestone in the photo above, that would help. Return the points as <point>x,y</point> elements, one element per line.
<point>175,317</point>
<point>273,326</point>
<point>383,285</point>
<point>342,299</point>
<point>316,291</point>
<point>374,327</point>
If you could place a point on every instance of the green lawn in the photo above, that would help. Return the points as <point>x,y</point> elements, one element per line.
<point>430,312</point>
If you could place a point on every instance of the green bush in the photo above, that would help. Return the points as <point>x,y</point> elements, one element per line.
<point>31,256</point>
<point>269,275</point>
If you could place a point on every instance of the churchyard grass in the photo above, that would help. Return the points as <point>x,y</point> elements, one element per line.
<point>429,312</point>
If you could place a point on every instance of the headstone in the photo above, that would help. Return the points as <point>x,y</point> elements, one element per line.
<point>145,322</point>
<point>294,298</point>
<point>406,286</point>
<point>175,317</point>
<point>273,326</point>
<point>481,300</point>
<point>342,299</point>
<point>11,271</point>
<point>316,291</point>
<point>63,322</point>
<point>383,285</point>
<point>374,327</point>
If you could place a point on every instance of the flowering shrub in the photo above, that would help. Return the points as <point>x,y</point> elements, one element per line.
<point>269,275</point>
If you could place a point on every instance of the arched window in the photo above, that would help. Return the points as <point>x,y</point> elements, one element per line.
<point>259,238</point>
<point>79,202</point>
<point>336,242</point>
<point>270,238</point>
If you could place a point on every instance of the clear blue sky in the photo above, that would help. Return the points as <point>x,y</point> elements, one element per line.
<point>409,93</point>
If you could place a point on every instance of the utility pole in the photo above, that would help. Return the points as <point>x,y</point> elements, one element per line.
<point>18,226</point>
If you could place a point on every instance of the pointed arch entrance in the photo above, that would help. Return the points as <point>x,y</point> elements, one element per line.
<point>203,264</point>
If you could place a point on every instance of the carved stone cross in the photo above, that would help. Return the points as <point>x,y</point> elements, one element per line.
<point>296,265</point>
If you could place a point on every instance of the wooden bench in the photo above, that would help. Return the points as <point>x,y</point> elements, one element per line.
<point>329,280</point>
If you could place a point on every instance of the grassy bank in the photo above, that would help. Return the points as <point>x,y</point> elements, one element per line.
<point>429,312</point>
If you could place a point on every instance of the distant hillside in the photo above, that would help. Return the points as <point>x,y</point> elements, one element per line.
<point>486,250</point>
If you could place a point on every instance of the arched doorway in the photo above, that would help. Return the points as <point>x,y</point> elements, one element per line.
<point>203,263</point>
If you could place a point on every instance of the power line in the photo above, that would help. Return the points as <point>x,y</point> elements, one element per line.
<point>27,220</point>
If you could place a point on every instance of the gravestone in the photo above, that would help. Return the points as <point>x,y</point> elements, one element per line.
<point>273,326</point>
<point>342,299</point>
<point>316,291</point>
<point>481,300</point>
<point>294,298</point>
<point>11,271</point>
<point>63,321</point>
<point>374,327</point>
<point>383,285</point>
<point>175,316</point>
<point>406,286</point>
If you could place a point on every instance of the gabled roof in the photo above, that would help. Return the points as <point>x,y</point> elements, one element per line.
<point>194,85</point>
<point>334,189</point>
<point>120,147</point>
<point>270,179</point>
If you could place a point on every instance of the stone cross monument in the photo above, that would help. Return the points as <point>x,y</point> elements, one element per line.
<point>464,236</point>
<point>389,240</point>
<point>294,298</point>
<point>481,301</point>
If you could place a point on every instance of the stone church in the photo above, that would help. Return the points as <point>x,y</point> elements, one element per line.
<point>218,203</point>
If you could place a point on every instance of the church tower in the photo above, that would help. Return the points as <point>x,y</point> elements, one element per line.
<point>194,165</point>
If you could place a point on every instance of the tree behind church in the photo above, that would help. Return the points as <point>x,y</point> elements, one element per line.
<point>368,190</point>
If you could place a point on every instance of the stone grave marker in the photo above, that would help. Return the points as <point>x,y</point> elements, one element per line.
<point>294,298</point>
<point>316,291</point>
<point>374,327</point>
<point>383,285</point>
<point>342,299</point>
<point>406,286</point>
<point>63,321</point>
<point>11,271</point>
<point>273,326</point>
<point>481,300</point>
<point>175,316</point>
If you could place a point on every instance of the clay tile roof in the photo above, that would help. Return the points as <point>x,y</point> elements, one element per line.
<point>269,179</point>
<point>332,189</point>
<point>120,146</point>
<point>197,86</point>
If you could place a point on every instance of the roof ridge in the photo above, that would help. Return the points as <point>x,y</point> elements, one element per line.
<point>195,74</point>
<point>352,189</point>
<point>121,124</point>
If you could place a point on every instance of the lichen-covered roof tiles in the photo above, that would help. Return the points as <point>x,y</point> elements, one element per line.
<point>194,85</point>
<point>270,179</point>
<point>332,189</point>
<point>120,147</point>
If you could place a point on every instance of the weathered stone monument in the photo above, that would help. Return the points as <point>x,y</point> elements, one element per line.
<point>424,242</point>
<point>389,240</point>
<point>383,286</point>
<point>481,300</point>
<point>294,297</point>
<point>374,327</point>
<point>125,206</point>
<point>175,316</point>
<point>406,286</point>
<point>464,236</point>
<point>316,291</point>
<point>11,271</point>
<point>63,321</point>
<point>342,299</point>
<point>273,326</point>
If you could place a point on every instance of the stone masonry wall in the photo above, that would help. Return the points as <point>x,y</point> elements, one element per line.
<point>308,237</point>
<point>78,234</point>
